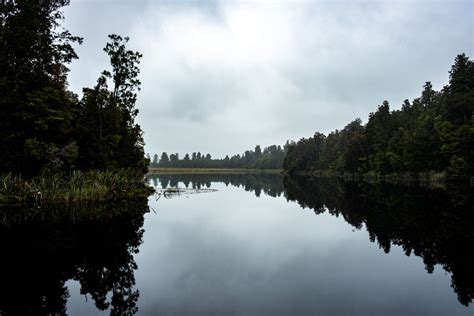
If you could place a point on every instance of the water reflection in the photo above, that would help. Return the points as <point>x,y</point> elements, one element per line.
<point>229,252</point>
<point>434,224</point>
<point>93,244</point>
<point>269,184</point>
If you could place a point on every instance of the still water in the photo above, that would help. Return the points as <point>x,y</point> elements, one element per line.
<point>247,245</point>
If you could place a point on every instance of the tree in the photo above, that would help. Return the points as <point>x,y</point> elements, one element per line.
<point>43,126</point>
<point>434,132</point>
<point>98,128</point>
<point>164,161</point>
<point>428,95</point>
<point>305,154</point>
<point>126,84</point>
<point>352,147</point>
<point>108,134</point>
<point>174,160</point>
<point>270,158</point>
<point>378,131</point>
<point>37,111</point>
<point>155,161</point>
<point>460,91</point>
<point>186,161</point>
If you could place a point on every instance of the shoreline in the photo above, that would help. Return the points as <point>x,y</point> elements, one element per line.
<point>152,171</point>
<point>431,179</point>
<point>73,187</point>
<point>427,179</point>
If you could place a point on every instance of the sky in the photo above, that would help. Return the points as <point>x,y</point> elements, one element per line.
<point>220,77</point>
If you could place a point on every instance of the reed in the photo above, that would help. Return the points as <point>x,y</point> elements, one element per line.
<point>73,186</point>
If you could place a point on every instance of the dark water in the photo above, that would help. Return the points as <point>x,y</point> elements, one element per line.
<point>259,245</point>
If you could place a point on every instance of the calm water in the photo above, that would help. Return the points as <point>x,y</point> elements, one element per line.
<point>259,245</point>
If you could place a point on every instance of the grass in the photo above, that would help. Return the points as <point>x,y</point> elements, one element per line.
<point>212,170</point>
<point>73,186</point>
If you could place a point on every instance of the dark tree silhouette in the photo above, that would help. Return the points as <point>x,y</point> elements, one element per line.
<point>434,133</point>
<point>44,128</point>
<point>270,158</point>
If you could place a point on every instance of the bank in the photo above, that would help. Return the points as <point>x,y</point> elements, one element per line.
<point>74,186</point>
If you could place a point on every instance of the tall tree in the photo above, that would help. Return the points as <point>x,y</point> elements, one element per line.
<point>109,136</point>
<point>155,160</point>
<point>164,161</point>
<point>36,110</point>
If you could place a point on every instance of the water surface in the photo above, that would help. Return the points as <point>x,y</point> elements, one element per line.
<point>259,245</point>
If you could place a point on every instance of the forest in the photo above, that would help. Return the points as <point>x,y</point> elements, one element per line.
<point>270,158</point>
<point>432,134</point>
<point>46,128</point>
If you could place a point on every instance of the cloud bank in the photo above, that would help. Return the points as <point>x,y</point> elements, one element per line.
<point>223,76</point>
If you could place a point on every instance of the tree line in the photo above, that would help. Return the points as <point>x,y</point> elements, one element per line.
<point>270,157</point>
<point>433,133</point>
<point>45,127</point>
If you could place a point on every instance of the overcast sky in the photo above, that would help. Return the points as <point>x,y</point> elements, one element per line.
<point>223,76</point>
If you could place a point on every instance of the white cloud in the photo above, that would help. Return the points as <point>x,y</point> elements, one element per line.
<point>224,76</point>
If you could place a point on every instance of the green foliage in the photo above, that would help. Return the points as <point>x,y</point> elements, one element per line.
<point>434,133</point>
<point>270,158</point>
<point>35,106</point>
<point>108,134</point>
<point>44,128</point>
<point>302,155</point>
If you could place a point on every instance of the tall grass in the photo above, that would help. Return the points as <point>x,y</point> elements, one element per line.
<point>73,186</point>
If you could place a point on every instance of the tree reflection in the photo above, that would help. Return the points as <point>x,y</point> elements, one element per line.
<point>93,244</point>
<point>434,224</point>
<point>269,184</point>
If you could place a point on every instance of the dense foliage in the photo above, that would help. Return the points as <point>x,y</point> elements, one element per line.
<point>44,127</point>
<point>434,132</point>
<point>270,158</point>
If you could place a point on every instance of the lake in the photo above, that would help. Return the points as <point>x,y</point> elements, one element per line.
<point>244,245</point>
